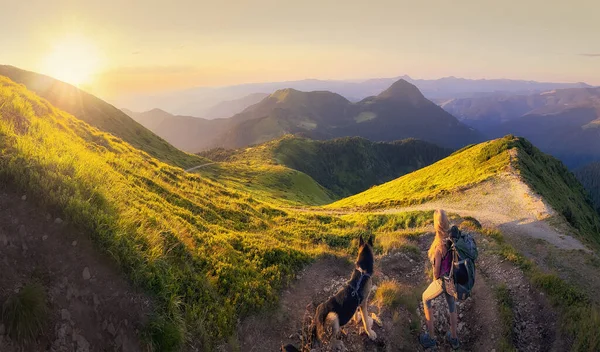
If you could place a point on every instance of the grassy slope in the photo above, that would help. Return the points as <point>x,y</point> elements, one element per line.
<point>344,166</point>
<point>100,114</point>
<point>272,183</point>
<point>544,174</point>
<point>589,176</point>
<point>559,187</point>
<point>466,167</point>
<point>351,165</point>
<point>255,170</point>
<point>207,252</point>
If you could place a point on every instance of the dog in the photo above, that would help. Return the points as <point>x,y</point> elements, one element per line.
<point>351,300</point>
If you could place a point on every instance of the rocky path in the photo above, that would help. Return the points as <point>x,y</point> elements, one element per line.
<point>199,167</point>
<point>504,202</point>
<point>91,307</point>
<point>480,325</point>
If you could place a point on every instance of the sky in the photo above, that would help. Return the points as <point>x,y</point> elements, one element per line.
<point>115,47</point>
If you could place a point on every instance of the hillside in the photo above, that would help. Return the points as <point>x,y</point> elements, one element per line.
<point>589,176</point>
<point>400,112</point>
<point>231,107</point>
<point>278,185</point>
<point>562,122</point>
<point>223,269</point>
<point>99,114</point>
<point>510,158</point>
<point>188,133</point>
<point>207,253</point>
<point>345,166</point>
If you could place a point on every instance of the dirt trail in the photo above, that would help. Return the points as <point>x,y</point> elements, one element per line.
<point>480,326</point>
<point>507,203</point>
<point>91,306</point>
<point>199,167</point>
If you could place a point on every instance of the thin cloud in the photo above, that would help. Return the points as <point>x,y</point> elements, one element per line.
<point>591,54</point>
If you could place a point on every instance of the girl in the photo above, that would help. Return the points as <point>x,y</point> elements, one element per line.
<point>441,258</point>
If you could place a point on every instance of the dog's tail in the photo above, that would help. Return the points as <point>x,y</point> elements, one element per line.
<point>318,326</point>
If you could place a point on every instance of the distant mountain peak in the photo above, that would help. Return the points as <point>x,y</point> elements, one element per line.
<point>157,111</point>
<point>293,96</point>
<point>286,93</point>
<point>403,91</point>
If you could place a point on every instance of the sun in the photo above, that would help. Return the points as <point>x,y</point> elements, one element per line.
<point>73,59</point>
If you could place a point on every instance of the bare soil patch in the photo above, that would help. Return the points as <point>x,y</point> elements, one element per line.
<point>91,305</point>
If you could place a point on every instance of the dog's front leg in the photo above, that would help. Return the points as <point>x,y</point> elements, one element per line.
<point>367,320</point>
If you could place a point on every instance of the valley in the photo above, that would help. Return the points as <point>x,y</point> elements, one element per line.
<point>251,238</point>
<point>305,176</point>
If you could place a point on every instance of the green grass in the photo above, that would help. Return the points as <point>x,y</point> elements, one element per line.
<point>544,174</point>
<point>272,183</point>
<point>558,186</point>
<point>101,115</point>
<point>211,247</point>
<point>507,317</point>
<point>456,172</point>
<point>391,222</point>
<point>579,316</point>
<point>208,253</point>
<point>390,295</point>
<point>344,166</point>
<point>25,313</point>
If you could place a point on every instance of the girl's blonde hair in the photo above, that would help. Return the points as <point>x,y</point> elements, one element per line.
<point>441,226</point>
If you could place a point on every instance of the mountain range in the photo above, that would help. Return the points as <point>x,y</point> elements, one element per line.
<point>399,112</point>
<point>201,102</point>
<point>563,122</point>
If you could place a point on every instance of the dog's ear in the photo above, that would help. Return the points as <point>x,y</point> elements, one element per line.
<point>371,240</point>
<point>361,242</point>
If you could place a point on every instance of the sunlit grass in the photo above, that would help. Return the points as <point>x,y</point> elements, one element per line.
<point>459,171</point>
<point>579,316</point>
<point>209,253</point>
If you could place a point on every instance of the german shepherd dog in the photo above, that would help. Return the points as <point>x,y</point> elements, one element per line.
<point>339,309</point>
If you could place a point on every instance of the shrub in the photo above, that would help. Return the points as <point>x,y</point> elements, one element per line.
<point>25,313</point>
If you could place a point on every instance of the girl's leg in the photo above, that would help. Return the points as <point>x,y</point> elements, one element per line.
<point>434,290</point>
<point>453,315</point>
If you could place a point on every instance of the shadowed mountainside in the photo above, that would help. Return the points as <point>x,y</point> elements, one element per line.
<point>589,176</point>
<point>399,112</point>
<point>345,166</point>
<point>563,122</point>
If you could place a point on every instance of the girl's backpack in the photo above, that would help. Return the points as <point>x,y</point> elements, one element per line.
<point>464,251</point>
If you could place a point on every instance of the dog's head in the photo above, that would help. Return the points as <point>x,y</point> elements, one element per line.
<point>365,258</point>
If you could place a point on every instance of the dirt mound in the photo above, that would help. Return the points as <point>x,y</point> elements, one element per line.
<point>91,306</point>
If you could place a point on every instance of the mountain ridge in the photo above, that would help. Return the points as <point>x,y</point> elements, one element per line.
<point>344,166</point>
<point>473,165</point>
<point>100,114</point>
<point>397,113</point>
<point>195,101</point>
<point>562,122</point>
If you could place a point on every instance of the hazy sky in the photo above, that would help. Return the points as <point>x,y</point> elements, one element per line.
<point>145,46</point>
